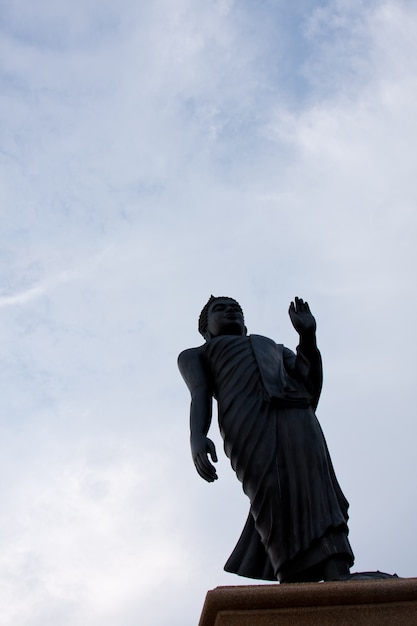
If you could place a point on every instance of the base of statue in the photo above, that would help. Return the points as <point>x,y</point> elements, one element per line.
<point>383,602</point>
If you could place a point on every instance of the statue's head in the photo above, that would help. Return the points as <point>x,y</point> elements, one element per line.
<point>221,316</point>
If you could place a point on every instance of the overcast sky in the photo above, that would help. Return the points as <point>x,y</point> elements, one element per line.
<point>154,153</point>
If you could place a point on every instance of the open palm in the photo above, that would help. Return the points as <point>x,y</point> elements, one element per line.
<point>301,317</point>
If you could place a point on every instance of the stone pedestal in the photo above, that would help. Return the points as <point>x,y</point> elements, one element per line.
<point>391,602</point>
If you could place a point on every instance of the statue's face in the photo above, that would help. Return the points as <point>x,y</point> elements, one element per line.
<point>225,318</point>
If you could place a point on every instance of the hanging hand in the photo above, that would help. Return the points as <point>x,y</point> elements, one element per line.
<point>201,447</point>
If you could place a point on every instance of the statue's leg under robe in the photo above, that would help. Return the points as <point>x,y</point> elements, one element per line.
<point>297,506</point>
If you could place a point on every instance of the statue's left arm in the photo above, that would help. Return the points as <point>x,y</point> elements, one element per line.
<point>308,361</point>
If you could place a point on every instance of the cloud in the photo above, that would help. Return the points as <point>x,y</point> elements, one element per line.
<point>152,155</point>
<point>20,298</point>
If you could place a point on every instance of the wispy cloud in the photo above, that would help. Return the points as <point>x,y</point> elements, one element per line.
<point>21,298</point>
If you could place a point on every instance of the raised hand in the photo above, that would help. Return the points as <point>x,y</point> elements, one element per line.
<point>301,317</point>
<point>201,447</point>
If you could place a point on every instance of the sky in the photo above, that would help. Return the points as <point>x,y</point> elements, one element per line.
<point>152,154</point>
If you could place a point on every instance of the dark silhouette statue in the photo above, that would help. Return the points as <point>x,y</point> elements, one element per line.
<point>267,395</point>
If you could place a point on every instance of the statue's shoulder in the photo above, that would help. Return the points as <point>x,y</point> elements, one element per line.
<point>191,367</point>
<point>189,358</point>
<point>190,354</point>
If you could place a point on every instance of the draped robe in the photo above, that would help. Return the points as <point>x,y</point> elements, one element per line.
<point>266,398</point>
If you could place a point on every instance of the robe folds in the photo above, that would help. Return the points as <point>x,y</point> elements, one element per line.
<point>266,398</point>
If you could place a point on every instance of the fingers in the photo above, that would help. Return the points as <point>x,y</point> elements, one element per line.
<point>203,465</point>
<point>205,468</point>
<point>212,450</point>
<point>299,307</point>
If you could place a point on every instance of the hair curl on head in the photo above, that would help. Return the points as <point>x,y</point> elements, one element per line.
<point>203,319</point>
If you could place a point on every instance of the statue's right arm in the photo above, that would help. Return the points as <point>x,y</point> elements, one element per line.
<point>195,376</point>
